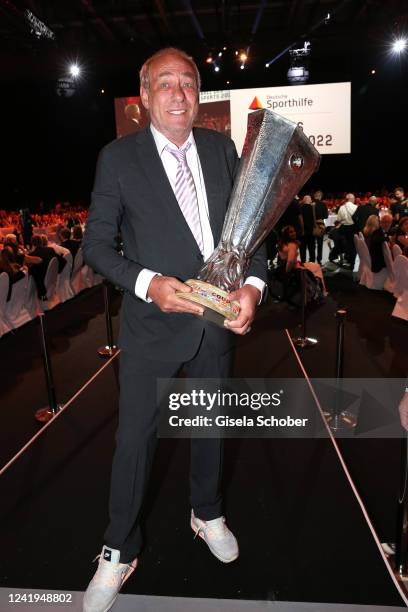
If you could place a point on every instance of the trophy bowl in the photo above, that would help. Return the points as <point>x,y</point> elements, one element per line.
<point>277,159</point>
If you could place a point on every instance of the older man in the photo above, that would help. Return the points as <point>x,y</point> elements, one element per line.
<point>166,189</point>
<point>363,211</point>
<point>378,237</point>
<point>347,227</point>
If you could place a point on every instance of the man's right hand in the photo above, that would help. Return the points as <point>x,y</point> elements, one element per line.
<point>162,291</point>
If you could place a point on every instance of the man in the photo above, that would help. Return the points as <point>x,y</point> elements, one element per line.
<point>307,240</point>
<point>166,189</point>
<point>347,227</point>
<point>68,243</point>
<point>363,211</point>
<point>378,237</point>
<point>401,208</point>
<point>320,213</point>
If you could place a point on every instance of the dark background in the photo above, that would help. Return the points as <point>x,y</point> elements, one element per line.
<point>50,143</point>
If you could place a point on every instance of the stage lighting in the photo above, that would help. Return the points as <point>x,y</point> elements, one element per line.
<point>209,59</point>
<point>37,27</point>
<point>399,45</point>
<point>373,71</point>
<point>74,70</point>
<point>216,68</point>
<point>243,57</point>
<point>266,65</point>
<point>220,54</point>
<point>298,70</point>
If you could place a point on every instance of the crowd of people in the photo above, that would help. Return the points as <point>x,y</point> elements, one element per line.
<point>22,250</point>
<point>297,241</point>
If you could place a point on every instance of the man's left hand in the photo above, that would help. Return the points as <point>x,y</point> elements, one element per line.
<point>248,297</point>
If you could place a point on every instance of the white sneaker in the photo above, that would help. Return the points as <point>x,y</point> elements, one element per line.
<point>107,581</point>
<point>219,539</point>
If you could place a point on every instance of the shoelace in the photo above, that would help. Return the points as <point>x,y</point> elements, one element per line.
<point>219,530</point>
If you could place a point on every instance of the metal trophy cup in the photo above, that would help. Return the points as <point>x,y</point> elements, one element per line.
<point>277,160</point>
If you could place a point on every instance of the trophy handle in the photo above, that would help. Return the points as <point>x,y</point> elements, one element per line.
<point>225,268</point>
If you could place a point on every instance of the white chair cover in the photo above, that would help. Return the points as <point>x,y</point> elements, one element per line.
<point>16,311</point>
<point>401,287</point>
<point>368,278</point>
<point>50,282</point>
<point>64,289</point>
<point>389,282</point>
<point>4,287</point>
<point>32,303</point>
<point>77,278</point>
<point>396,250</point>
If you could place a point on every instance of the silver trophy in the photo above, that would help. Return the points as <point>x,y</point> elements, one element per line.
<point>277,160</point>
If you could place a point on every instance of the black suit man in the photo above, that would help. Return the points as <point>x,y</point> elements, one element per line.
<point>137,181</point>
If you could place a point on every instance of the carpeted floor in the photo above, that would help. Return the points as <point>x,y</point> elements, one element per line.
<point>302,536</point>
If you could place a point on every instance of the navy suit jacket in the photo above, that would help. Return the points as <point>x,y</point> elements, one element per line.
<point>132,195</point>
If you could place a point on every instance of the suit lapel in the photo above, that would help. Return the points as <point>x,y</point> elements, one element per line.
<point>210,168</point>
<point>151,163</point>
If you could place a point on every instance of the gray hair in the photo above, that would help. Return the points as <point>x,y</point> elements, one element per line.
<point>144,71</point>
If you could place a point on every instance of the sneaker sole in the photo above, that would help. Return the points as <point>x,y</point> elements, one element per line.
<point>126,576</point>
<point>198,532</point>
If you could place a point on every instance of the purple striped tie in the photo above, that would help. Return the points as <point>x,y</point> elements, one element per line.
<point>186,194</point>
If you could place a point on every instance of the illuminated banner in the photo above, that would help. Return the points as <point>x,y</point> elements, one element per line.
<point>323,111</point>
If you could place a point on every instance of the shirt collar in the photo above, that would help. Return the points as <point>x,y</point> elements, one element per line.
<point>162,142</point>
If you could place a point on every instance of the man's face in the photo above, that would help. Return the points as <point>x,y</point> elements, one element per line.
<point>399,194</point>
<point>307,200</point>
<point>172,96</point>
<point>386,222</point>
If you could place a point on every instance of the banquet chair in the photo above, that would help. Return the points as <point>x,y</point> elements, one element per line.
<point>368,278</point>
<point>64,289</point>
<point>16,311</point>
<point>77,277</point>
<point>50,283</point>
<point>389,283</point>
<point>401,287</point>
<point>396,250</point>
<point>4,287</point>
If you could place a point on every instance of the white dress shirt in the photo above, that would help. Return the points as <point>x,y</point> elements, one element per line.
<point>170,167</point>
<point>346,212</point>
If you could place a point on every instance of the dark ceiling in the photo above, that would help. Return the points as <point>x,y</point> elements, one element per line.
<point>114,36</point>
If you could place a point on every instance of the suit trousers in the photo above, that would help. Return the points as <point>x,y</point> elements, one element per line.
<point>307,241</point>
<point>136,441</point>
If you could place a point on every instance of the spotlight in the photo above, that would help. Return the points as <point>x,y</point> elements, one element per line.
<point>74,70</point>
<point>236,52</point>
<point>266,65</point>
<point>220,54</point>
<point>373,71</point>
<point>102,91</point>
<point>298,70</point>
<point>216,68</point>
<point>243,57</point>
<point>399,45</point>
<point>224,48</point>
<point>209,60</point>
<point>242,66</point>
<point>327,19</point>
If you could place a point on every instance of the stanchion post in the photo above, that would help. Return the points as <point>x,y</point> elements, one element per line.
<point>45,414</point>
<point>303,341</point>
<point>401,542</point>
<point>338,419</point>
<point>109,349</point>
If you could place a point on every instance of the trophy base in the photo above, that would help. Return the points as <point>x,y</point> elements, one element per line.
<point>214,300</point>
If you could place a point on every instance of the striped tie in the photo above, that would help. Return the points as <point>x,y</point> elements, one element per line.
<point>186,194</point>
